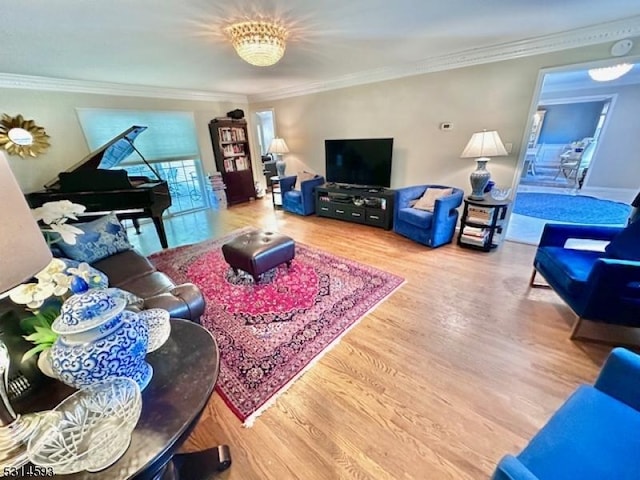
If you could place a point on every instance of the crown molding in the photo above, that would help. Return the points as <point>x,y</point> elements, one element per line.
<point>28,82</point>
<point>605,32</point>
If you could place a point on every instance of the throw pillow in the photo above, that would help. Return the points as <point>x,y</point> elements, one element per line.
<point>428,200</point>
<point>302,177</point>
<point>101,238</point>
<point>626,245</point>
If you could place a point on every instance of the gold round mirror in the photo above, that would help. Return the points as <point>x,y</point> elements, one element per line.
<point>22,137</point>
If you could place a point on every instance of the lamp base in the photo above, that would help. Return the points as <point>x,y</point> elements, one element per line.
<point>14,438</point>
<point>281,166</point>
<point>479,179</point>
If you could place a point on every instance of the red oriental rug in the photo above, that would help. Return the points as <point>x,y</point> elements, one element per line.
<point>271,333</point>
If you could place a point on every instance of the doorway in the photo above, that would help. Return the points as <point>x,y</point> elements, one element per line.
<point>265,133</point>
<point>579,143</point>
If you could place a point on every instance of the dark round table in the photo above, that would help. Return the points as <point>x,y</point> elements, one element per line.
<point>185,370</point>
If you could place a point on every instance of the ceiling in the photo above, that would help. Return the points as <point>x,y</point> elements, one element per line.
<point>579,79</point>
<point>180,45</point>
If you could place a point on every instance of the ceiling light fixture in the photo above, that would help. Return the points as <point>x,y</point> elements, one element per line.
<point>606,74</point>
<point>259,43</point>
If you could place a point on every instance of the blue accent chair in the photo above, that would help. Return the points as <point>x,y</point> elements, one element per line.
<point>598,286</point>
<point>593,436</point>
<point>303,201</point>
<point>428,228</point>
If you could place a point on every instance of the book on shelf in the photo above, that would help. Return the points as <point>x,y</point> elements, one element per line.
<point>237,134</point>
<point>241,163</point>
<point>228,165</point>
<point>479,220</point>
<point>471,240</point>
<point>475,231</point>
<point>480,212</point>
<point>224,134</point>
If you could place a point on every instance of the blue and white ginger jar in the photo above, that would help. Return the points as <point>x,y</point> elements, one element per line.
<point>99,340</point>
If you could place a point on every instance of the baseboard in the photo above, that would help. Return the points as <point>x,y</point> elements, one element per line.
<point>625,195</point>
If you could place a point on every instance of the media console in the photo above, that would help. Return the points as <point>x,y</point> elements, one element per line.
<point>369,206</point>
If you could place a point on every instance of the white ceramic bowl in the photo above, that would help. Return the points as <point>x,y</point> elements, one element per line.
<point>498,193</point>
<point>90,430</point>
<point>159,327</point>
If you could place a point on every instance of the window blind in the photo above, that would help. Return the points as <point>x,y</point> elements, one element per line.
<point>170,135</point>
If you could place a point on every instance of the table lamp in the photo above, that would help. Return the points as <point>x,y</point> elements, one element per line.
<point>23,253</point>
<point>482,145</point>
<point>278,146</point>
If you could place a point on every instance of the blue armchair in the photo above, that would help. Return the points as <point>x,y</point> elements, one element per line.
<point>428,228</point>
<point>598,286</point>
<point>594,434</point>
<point>301,201</point>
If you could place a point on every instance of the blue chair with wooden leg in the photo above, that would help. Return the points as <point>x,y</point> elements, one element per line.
<point>601,286</point>
<point>592,436</point>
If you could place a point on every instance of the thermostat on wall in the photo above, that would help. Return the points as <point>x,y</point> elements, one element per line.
<point>446,126</point>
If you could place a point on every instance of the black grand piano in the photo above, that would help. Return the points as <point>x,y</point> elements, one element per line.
<point>91,183</point>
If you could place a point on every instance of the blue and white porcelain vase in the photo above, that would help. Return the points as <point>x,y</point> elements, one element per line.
<point>98,340</point>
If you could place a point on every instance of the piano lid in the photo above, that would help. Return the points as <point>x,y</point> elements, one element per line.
<point>110,154</point>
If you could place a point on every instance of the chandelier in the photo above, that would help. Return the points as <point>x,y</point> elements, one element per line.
<point>257,42</point>
<point>607,74</point>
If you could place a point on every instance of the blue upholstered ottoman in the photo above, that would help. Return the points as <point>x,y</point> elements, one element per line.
<point>257,252</point>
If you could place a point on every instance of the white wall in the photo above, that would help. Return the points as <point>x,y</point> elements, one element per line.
<point>492,96</point>
<point>55,111</point>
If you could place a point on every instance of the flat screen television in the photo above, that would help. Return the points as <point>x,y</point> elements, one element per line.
<point>362,161</point>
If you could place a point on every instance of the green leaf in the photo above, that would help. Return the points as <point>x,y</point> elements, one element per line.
<point>37,349</point>
<point>44,318</point>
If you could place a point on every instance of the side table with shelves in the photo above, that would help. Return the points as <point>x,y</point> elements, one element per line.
<point>276,192</point>
<point>482,223</point>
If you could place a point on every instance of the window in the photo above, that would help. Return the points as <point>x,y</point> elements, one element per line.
<point>170,144</point>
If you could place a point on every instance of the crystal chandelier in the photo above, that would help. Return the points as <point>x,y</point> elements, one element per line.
<point>257,42</point>
<point>607,74</point>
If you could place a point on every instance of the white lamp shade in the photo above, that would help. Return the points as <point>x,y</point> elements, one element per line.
<point>23,249</point>
<point>484,144</point>
<point>278,145</point>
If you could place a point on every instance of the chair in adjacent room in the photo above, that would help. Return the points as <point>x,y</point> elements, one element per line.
<point>601,286</point>
<point>427,214</point>
<point>592,436</point>
<point>298,192</point>
<point>572,160</point>
<point>530,160</point>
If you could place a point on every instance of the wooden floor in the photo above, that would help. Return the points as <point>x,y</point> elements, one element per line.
<point>461,365</point>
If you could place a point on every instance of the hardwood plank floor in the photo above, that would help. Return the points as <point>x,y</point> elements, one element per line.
<point>463,364</point>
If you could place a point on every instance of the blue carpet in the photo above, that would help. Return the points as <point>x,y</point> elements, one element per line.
<point>570,208</point>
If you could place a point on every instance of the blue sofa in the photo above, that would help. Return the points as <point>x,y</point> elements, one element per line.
<point>303,201</point>
<point>598,286</point>
<point>595,435</point>
<point>428,228</point>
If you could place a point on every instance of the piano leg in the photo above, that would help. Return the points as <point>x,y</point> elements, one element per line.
<point>162,235</point>
<point>136,225</point>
